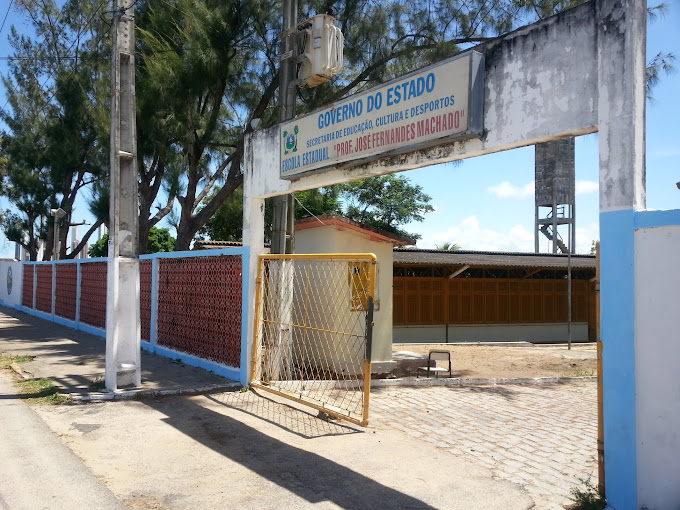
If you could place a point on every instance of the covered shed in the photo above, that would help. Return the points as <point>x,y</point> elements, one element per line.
<point>455,296</point>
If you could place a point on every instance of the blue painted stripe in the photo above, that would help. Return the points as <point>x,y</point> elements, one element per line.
<point>92,330</point>
<point>652,219</point>
<point>195,253</point>
<point>617,321</point>
<point>64,261</point>
<point>43,315</point>
<point>194,361</point>
<point>65,322</point>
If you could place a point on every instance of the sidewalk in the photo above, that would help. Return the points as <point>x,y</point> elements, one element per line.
<point>74,360</point>
<point>222,450</point>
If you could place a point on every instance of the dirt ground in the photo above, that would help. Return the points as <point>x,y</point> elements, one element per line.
<point>510,361</point>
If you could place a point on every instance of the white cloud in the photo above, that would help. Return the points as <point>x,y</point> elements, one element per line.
<point>585,237</point>
<point>507,190</point>
<point>470,235</point>
<point>586,187</point>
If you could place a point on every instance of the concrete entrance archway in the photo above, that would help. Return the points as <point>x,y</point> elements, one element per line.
<point>579,72</point>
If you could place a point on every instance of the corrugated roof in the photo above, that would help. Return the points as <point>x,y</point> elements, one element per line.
<point>491,259</point>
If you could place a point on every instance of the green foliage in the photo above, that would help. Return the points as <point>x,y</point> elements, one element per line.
<point>100,247</point>
<point>587,498</point>
<point>386,202</point>
<point>98,383</point>
<point>56,117</point>
<point>159,240</point>
<point>41,391</point>
<point>205,68</point>
<point>227,223</point>
<point>448,246</point>
<point>315,202</point>
<point>6,360</point>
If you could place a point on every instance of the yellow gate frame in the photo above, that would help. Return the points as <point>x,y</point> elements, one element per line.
<point>359,302</point>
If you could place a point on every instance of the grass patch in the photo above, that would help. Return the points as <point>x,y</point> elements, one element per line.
<point>41,391</point>
<point>7,360</point>
<point>98,384</point>
<point>587,498</point>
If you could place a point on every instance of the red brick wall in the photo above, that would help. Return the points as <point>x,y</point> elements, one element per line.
<point>199,307</point>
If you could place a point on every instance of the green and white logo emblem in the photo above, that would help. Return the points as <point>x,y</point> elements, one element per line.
<point>9,280</point>
<point>290,141</point>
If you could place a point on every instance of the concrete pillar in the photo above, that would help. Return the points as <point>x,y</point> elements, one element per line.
<point>253,239</point>
<point>123,328</point>
<point>621,26</point>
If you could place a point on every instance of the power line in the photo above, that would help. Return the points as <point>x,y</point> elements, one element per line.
<point>58,58</point>
<point>6,14</point>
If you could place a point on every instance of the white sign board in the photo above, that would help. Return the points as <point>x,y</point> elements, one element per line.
<point>443,101</point>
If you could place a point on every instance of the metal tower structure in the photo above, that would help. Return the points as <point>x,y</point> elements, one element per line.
<point>555,191</point>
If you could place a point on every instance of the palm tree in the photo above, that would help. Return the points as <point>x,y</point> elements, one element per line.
<point>447,246</point>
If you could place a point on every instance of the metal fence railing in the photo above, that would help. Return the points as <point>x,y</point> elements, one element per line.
<point>313,325</point>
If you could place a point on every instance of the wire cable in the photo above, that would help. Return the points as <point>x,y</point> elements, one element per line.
<point>6,14</point>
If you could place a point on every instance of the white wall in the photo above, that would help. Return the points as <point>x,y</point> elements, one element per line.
<point>331,240</point>
<point>10,295</point>
<point>657,346</point>
<point>491,333</point>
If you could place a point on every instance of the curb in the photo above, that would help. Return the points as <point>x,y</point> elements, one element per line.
<point>386,383</point>
<point>131,394</point>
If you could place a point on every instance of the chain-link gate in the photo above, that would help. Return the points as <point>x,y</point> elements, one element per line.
<point>313,327</point>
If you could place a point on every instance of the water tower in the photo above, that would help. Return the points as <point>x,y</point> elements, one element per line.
<point>555,191</point>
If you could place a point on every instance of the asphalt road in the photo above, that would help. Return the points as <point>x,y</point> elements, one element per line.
<point>37,471</point>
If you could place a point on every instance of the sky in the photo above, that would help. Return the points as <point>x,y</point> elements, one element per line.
<point>487,203</point>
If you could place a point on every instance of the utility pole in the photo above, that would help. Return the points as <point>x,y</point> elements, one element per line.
<point>123,363</point>
<point>284,205</point>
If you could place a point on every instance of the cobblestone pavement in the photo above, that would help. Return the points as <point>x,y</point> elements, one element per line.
<point>542,437</point>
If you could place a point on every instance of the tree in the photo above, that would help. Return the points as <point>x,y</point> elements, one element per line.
<point>160,240</point>
<point>205,68</point>
<point>56,118</point>
<point>385,202</point>
<point>447,246</point>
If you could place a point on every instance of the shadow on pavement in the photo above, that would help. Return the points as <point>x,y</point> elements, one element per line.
<point>74,360</point>
<point>283,415</point>
<point>305,474</point>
